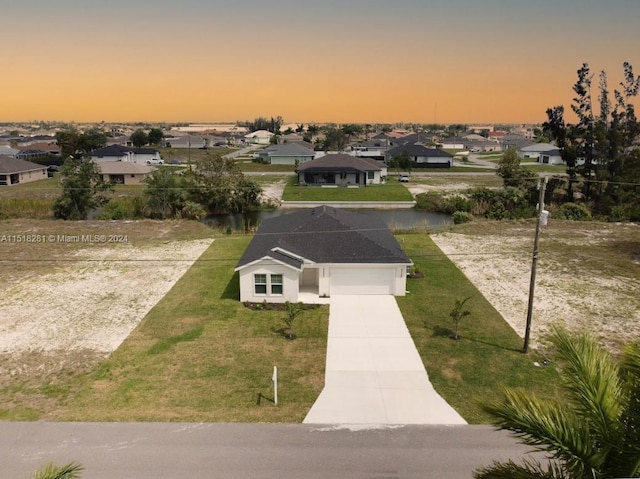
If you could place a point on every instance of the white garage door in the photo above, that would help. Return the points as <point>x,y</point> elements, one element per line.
<point>362,281</point>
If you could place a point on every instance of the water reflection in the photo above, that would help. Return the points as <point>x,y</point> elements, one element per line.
<point>395,219</point>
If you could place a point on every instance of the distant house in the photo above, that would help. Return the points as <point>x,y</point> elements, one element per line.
<point>126,154</point>
<point>456,143</point>
<point>195,141</point>
<point>422,156</point>
<point>36,150</point>
<point>123,172</point>
<point>341,170</point>
<point>286,154</point>
<point>374,149</point>
<point>322,251</point>
<point>14,171</point>
<point>260,137</point>
<point>551,157</point>
<point>482,145</point>
<point>534,150</point>
<point>514,141</point>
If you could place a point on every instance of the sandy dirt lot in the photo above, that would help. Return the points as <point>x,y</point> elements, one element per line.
<point>588,278</point>
<point>272,192</point>
<point>94,301</point>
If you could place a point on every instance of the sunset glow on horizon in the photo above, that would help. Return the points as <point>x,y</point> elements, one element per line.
<point>362,61</point>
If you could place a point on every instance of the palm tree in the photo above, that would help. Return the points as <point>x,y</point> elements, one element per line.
<point>51,471</point>
<point>591,432</point>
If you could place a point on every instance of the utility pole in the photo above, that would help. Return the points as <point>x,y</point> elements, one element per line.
<point>542,217</point>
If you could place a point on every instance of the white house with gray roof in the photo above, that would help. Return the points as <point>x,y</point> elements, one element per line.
<point>286,154</point>
<point>323,251</point>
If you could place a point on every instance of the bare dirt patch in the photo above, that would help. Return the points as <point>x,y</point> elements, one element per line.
<point>95,301</point>
<point>272,192</point>
<point>67,301</point>
<point>587,277</point>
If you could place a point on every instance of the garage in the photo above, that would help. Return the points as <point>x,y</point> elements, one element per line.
<point>362,281</point>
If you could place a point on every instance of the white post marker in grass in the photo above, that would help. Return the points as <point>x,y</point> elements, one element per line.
<point>274,378</point>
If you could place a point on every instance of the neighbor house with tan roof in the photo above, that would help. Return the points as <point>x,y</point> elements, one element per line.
<point>124,172</point>
<point>14,171</point>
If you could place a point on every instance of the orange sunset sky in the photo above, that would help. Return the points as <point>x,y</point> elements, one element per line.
<point>443,61</point>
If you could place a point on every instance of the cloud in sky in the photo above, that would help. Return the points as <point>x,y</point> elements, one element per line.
<point>362,60</point>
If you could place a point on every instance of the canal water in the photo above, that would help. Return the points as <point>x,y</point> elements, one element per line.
<point>396,219</point>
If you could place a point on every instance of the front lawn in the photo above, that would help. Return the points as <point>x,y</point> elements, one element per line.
<point>201,355</point>
<point>391,191</point>
<point>488,356</point>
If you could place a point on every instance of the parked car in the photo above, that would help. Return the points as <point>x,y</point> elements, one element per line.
<point>404,179</point>
<point>155,162</point>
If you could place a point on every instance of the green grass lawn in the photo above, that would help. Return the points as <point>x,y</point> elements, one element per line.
<point>487,357</point>
<point>391,191</point>
<point>251,166</point>
<point>542,168</point>
<point>200,355</point>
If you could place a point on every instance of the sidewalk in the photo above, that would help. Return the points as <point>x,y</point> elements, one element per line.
<point>374,374</point>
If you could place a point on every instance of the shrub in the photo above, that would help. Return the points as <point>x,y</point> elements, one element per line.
<point>575,212</point>
<point>193,211</point>
<point>460,217</point>
<point>432,202</point>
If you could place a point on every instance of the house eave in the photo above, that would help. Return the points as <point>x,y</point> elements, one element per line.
<point>266,258</point>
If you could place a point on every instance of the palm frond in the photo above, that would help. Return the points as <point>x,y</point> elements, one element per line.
<point>548,426</point>
<point>592,379</point>
<point>624,460</point>
<point>527,470</point>
<point>51,471</point>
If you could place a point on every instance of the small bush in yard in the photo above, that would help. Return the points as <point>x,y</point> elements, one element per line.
<point>575,212</point>
<point>460,217</point>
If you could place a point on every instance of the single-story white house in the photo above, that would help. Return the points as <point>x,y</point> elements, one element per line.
<point>341,170</point>
<point>456,143</point>
<point>534,150</point>
<point>286,154</point>
<point>260,137</point>
<point>124,153</point>
<point>14,171</point>
<point>324,251</point>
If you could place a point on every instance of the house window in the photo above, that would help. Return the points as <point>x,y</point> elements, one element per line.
<point>370,175</point>
<point>276,284</point>
<point>260,283</point>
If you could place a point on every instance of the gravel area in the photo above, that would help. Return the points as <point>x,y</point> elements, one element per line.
<point>94,301</point>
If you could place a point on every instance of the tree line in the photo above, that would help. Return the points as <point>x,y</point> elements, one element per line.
<point>213,185</point>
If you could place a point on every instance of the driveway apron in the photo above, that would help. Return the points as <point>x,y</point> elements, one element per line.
<point>374,374</point>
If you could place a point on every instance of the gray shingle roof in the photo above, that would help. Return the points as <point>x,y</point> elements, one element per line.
<point>340,162</point>
<point>325,235</point>
<point>9,164</point>
<point>419,150</point>
<point>118,150</point>
<point>288,149</point>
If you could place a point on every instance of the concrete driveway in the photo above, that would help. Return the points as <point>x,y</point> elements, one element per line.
<point>374,374</point>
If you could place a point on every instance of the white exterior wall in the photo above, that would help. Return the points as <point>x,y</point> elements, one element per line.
<point>142,158</point>
<point>124,157</point>
<point>290,280</point>
<point>550,160</point>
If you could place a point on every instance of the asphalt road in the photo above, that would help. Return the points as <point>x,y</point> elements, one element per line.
<point>270,451</point>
